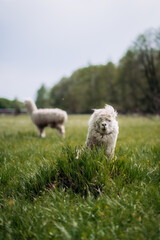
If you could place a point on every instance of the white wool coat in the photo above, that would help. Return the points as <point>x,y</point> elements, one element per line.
<point>48,116</point>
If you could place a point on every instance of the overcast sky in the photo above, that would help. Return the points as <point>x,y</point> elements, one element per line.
<point>43,40</point>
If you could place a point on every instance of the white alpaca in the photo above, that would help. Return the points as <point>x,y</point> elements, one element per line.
<point>103,129</point>
<point>42,118</point>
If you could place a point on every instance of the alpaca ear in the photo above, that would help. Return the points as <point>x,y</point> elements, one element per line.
<point>111,110</point>
<point>115,114</point>
<point>96,111</point>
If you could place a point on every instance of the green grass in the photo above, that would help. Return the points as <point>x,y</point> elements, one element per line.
<point>46,193</point>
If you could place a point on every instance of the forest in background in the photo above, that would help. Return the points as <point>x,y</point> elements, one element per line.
<point>131,86</point>
<point>13,106</point>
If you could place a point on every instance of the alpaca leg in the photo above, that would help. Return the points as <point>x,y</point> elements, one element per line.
<point>111,149</point>
<point>110,153</point>
<point>41,132</point>
<point>61,129</point>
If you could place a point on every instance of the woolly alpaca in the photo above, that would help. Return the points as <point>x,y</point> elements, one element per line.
<point>42,118</point>
<point>103,129</point>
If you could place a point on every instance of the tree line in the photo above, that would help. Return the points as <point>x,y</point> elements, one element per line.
<point>131,86</point>
<point>14,105</point>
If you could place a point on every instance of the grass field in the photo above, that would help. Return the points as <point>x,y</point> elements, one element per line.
<point>46,193</point>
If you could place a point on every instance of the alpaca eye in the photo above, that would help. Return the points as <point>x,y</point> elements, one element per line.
<point>108,120</point>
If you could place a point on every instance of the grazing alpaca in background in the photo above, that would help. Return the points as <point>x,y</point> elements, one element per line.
<point>103,129</point>
<point>54,117</point>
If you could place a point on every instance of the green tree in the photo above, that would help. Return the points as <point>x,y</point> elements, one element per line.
<point>42,99</point>
<point>147,49</point>
<point>15,104</point>
<point>5,103</point>
<point>86,88</point>
<point>139,75</point>
<point>131,86</point>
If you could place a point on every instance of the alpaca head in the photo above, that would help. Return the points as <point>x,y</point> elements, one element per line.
<point>103,120</point>
<point>30,105</point>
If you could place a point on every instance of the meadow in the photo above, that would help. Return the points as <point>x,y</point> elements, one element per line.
<point>46,193</point>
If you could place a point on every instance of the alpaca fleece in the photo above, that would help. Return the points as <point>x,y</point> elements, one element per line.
<point>54,118</point>
<point>103,129</point>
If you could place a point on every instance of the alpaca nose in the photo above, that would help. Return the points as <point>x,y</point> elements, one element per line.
<point>104,124</point>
